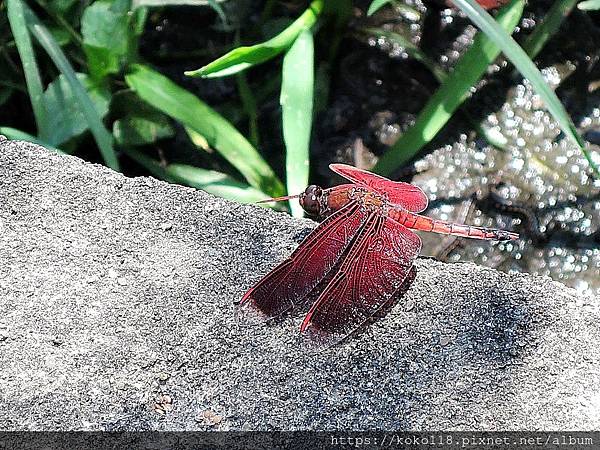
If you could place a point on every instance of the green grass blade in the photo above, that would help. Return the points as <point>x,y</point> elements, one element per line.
<point>376,5</point>
<point>550,25</point>
<point>213,182</point>
<point>65,114</point>
<point>161,3</point>
<point>450,95</point>
<point>297,109</point>
<point>18,25</point>
<point>261,93</point>
<point>183,106</point>
<point>101,134</point>
<point>217,8</point>
<point>249,105</point>
<point>241,58</point>
<point>18,135</point>
<point>56,12</point>
<point>589,5</point>
<point>492,137</point>
<point>521,61</point>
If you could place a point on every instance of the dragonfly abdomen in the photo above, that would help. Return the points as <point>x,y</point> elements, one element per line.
<point>423,223</point>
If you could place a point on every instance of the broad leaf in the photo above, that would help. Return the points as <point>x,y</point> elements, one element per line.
<point>108,35</point>
<point>142,127</point>
<point>213,182</point>
<point>66,118</point>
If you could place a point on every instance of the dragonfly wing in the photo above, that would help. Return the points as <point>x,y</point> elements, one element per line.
<point>294,278</point>
<point>407,195</point>
<point>373,270</point>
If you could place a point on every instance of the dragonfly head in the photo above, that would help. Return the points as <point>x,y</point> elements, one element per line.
<point>313,200</point>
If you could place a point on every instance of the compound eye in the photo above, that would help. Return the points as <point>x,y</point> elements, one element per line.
<point>311,199</point>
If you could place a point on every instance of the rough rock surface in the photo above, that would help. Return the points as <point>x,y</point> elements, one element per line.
<point>116,312</point>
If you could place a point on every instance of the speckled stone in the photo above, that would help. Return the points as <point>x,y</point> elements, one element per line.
<point>477,349</point>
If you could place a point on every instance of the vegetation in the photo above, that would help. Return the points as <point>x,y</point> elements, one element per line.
<point>80,66</point>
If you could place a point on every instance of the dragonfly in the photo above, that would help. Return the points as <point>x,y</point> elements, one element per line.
<point>358,258</point>
<point>486,4</point>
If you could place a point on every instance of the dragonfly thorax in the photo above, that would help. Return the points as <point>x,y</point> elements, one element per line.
<point>370,200</point>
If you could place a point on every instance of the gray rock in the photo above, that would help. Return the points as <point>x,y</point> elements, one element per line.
<point>110,319</point>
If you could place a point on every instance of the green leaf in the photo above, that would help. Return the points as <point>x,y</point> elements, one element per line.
<point>450,95</point>
<point>66,117</point>
<point>188,109</point>
<point>261,93</point>
<point>101,61</point>
<point>297,108</point>
<point>62,7</point>
<point>18,135</point>
<point>376,5</point>
<point>142,128</point>
<point>60,35</point>
<point>213,182</point>
<point>217,8</point>
<point>18,25</point>
<point>101,135</point>
<point>241,58</point>
<point>542,33</point>
<point>161,3</point>
<point>589,5</point>
<point>197,139</point>
<point>249,105</point>
<point>138,123</point>
<point>106,31</point>
<point>63,32</point>
<point>493,137</point>
<point>528,69</point>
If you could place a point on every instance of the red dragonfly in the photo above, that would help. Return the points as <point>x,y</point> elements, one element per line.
<point>360,255</point>
<point>486,4</point>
